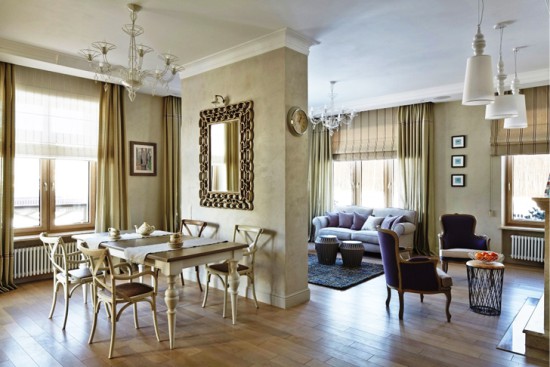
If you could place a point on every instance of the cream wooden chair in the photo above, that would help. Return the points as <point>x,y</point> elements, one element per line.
<point>193,228</point>
<point>69,271</point>
<point>118,289</point>
<point>241,234</point>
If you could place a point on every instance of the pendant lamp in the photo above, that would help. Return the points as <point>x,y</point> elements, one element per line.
<point>504,105</point>
<point>520,121</point>
<point>478,81</point>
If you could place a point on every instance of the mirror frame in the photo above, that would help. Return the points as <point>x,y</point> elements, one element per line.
<point>243,112</point>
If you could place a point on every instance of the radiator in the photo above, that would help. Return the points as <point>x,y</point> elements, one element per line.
<point>527,248</point>
<point>31,261</point>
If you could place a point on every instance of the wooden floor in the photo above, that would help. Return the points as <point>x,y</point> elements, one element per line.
<point>335,328</point>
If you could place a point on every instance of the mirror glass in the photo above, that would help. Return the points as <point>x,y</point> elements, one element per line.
<point>226,174</point>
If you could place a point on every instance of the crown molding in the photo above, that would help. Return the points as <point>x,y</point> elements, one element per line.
<point>284,37</point>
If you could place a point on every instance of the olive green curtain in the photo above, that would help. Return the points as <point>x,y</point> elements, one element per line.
<point>112,185</point>
<point>171,150</point>
<point>7,135</point>
<point>320,174</point>
<point>415,151</point>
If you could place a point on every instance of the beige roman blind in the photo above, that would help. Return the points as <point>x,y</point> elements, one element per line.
<point>535,138</point>
<point>372,135</point>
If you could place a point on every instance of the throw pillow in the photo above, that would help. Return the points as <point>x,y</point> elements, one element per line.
<point>397,220</point>
<point>387,222</point>
<point>332,219</point>
<point>345,220</point>
<point>371,223</point>
<point>358,221</point>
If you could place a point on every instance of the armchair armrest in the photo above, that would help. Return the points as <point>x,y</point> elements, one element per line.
<point>404,228</point>
<point>319,223</point>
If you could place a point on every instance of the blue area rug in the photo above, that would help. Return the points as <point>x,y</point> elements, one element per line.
<point>339,277</point>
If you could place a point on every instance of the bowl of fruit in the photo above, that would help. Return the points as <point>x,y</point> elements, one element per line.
<point>486,256</point>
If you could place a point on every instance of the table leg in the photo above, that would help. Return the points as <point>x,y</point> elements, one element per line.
<point>171,300</point>
<point>233,281</point>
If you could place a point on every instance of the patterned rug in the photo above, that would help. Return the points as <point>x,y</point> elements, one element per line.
<point>339,277</point>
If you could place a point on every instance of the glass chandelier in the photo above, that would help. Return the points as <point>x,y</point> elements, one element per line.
<point>133,76</point>
<point>330,118</point>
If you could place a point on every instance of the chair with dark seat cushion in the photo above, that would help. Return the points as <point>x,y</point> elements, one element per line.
<point>458,238</point>
<point>417,274</point>
<point>187,226</point>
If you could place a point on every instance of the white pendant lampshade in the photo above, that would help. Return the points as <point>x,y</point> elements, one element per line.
<point>503,107</point>
<point>478,81</point>
<point>520,121</point>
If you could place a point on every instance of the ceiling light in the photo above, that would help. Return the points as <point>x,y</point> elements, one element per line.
<point>329,117</point>
<point>478,82</point>
<point>504,106</point>
<point>520,121</point>
<point>134,75</point>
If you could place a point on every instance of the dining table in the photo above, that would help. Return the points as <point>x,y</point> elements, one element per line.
<point>154,250</point>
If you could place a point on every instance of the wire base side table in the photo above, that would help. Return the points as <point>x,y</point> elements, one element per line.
<point>485,286</point>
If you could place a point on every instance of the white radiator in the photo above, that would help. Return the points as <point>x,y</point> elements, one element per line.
<point>31,261</point>
<point>527,248</point>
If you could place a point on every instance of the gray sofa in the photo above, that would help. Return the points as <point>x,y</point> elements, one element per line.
<point>366,233</point>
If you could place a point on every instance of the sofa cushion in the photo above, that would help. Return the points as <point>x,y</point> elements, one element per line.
<point>358,221</point>
<point>365,236</point>
<point>408,215</point>
<point>345,220</point>
<point>342,234</point>
<point>396,221</point>
<point>332,219</point>
<point>387,222</point>
<point>371,223</point>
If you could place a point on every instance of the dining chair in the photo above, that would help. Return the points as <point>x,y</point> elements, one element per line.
<point>69,271</point>
<point>193,228</point>
<point>417,274</point>
<point>241,234</point>
<point>118,288</point>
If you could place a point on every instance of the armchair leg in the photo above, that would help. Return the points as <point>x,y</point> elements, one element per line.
<point>421,297</point>
<point>388,298</point>
<point>448,295</point>
<point>444,265</point>
<point>401,305</point>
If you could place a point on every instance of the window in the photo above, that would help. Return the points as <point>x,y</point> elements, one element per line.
<point>526,177</point>
<point>56,138</point>
<point>368,183</point>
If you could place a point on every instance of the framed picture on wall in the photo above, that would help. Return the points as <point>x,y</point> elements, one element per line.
<point>458,180</point>
<point>458,141</point>
<point>458,161</point>
<point>143,159</point>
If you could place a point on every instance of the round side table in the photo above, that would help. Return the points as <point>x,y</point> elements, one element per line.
<point>326,247</point>
<point>485,286</point>
<point>352,253</point>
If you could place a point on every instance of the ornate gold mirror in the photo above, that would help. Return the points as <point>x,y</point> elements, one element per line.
<point>225,156</point>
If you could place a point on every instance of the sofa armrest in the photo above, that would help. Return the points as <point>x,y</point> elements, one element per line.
<point>319,223</point>
<point>404,228</point>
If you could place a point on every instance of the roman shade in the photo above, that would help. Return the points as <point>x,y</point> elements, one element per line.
<point>372,135</point>
<point>535,138</point>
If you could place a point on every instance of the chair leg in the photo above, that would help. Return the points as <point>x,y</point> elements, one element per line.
<point>136,323</point>
<point>401,305</point>
<point>208,275</point>
<point>54,300</point>
<point>182,281</point>
<point>198,277</point>
<point>421,297</point>
<point>154,310</point>
<point>225,284</point>
<point>388,298</point>
<point>113,333</point>
<point>96,311</point>
<point>66,296</point>
<point>253,290</point>
<point>448,295</point>
<point>85,293</point>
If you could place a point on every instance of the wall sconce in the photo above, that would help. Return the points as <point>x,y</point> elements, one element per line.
<point>220,99</point>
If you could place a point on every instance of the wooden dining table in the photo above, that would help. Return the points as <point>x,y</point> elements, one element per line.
<point>171,262</point>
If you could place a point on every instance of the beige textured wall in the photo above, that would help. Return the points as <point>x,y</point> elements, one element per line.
<point>274,81</point>
<point>482,194</point>
<point>143,123</point>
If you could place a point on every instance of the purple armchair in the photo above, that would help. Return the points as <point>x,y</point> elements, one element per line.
<point>458,238</point>
<point>417,275</point>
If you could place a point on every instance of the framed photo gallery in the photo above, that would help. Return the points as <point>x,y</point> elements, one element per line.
<point>458,160</point>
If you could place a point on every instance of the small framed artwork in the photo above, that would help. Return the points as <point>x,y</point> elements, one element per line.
<point>143,159</point>
<point>458,180</point>
<point>458,161</point>
<point>458,141</point>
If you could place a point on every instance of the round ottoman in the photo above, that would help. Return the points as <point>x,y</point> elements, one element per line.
<point>327,248</point>
<point>352,253</point>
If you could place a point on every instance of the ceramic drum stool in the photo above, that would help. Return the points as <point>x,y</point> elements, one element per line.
<point>352,253</point>
<point>327,248</point>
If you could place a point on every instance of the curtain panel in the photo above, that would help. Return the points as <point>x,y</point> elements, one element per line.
<point>372,135</point>
<point>7,135</point>
<point>416,160</point>
<point>535,138</point>
<point>171,150</point>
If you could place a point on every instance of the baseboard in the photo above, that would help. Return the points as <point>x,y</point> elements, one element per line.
<point>291,300</point>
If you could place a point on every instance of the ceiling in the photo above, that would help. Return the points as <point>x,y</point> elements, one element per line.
<point>381,53</point>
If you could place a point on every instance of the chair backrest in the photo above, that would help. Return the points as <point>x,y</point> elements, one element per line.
<point>249,235</point>
<point>192,227</point>
<point>389,249</point>
<point>99,261</point>
<point>57,252</point>
<point>458,230</point>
